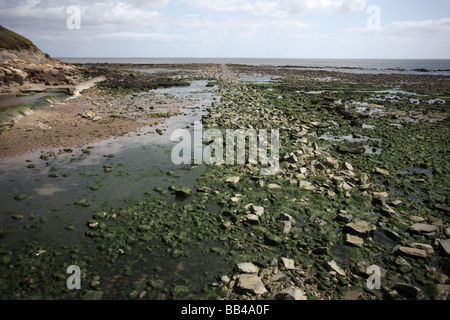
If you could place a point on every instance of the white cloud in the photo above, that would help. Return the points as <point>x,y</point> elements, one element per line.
<point>423,26</point>
<point>305,7</point>
<point>251,7</point>
<point>137,36</point>
<point>399,28</point>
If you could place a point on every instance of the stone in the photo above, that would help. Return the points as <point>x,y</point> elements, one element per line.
<point>306,185</point>
<point>277,277</point>
<point>182,191</point>
<point>360,228</point>
<point>246,267</point>
<point>333,266</point>
<point>424,229</point>
<point>17,217</point>
<point>233,180</point>
<point>387,211</point>
<point>252,218</point>
<point>425,247</point>
<point>352,295</point>
<point>382,171</point>
<point>291,294</point>
<point>413,252</point>
<point>289,264</point>
<point>348,166</point>
<point>354,240</point>
<point>287,226</point>
<point>88,115</point>
<point>252,284</point>
<point>444,245</point>
<point>408,291</point>
<point>273,186</point>
<point>344,185</point>
<point>258,210</point>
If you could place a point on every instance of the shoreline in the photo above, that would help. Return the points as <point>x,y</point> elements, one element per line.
<point>312,231</point>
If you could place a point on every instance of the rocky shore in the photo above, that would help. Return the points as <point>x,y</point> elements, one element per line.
<point>363,186</point>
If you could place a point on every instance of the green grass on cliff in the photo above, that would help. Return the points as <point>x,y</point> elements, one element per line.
<point>12,41</point>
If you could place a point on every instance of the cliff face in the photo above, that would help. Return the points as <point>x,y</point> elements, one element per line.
<point>22,63</point>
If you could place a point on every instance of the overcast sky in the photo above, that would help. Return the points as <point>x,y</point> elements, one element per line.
<point>396,29</point>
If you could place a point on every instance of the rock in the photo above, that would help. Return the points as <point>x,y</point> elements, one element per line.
<point>289,264</point>
<point>360,228</point>
<point>348,166</point>
<point>277,277</point>
<point>273,186</point>
<point>344,185</point>
<point>444,245</point>
<point>387,211</point>
<point>413,252</point>
<point>353,148</point>
<point>258,210</point>
<point>425,247</point>
<point>442,207</point>
<point>352,295</point>
<point>182,191</point>
<point>287,226</point>
<point>344,217</point>
<point>381,171</point>
<point>424,229</point>
<point>17,217</point>
<point>306,185</point>
<point>43,126</point>
<point>252,218</point>
<point>408,291</point>
<point>233,180</point>
<point>332,266</point>
<point>88,115</point>
<point>291,294</point>
<point>354,240</point>
<point>251,283</point>
<point>246,267</point>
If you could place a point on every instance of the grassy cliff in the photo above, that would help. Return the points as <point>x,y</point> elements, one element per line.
<point>10,40</point>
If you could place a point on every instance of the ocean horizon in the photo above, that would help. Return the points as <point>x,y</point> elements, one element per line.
<point>419,66</point>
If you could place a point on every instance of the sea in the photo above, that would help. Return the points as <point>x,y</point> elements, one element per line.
<point>408,66</point>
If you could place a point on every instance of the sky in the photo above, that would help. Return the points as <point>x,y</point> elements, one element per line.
<point>311,29</point>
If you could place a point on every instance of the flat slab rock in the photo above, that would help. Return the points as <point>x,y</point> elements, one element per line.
<point>251,283</point>
<point>360,228</point>
<point>246,267</point>
<point>424,229</point>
